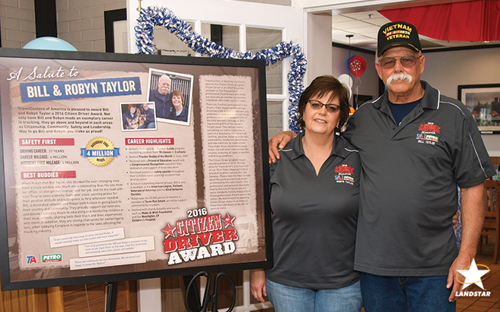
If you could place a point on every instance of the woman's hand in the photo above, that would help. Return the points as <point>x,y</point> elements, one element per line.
<point>258,284</point>
<point>455,219</point>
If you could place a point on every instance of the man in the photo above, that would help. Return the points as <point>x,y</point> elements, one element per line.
<point>147,117</point>
<point>416,146</point>
<point>161,97</point>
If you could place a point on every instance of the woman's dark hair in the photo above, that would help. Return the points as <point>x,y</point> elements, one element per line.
<point>177,92</point>
<point>319,87</point>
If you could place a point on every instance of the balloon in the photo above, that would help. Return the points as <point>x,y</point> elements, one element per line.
<point>357,65</point>
<point>49,43</point>
<point>347,81</point>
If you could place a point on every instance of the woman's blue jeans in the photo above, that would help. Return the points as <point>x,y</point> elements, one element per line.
<point>294,299</point>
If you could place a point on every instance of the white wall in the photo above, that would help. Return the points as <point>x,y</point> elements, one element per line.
<point>318,48</point>
<point>447,70</point>
<point>367,84</point>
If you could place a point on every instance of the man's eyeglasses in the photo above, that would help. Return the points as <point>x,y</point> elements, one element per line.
<point>407,61</point>
<point>317,105</point>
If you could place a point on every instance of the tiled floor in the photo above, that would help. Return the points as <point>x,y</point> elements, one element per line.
<point>491,282</point>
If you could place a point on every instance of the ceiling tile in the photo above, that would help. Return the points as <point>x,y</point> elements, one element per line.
<point>364,16</point>
<point>350,25</point>
<point>341,19</point>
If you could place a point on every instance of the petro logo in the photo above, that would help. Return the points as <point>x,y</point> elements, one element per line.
<point>52,258</point>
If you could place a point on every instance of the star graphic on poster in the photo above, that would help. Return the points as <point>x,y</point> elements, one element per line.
<point>473,275</point>
<point>168,231</point>
<point>228,220</point>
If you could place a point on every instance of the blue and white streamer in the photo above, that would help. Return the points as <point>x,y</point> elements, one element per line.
<point>154,16</point>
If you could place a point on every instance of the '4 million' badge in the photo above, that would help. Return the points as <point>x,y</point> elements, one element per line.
<point>100,151</point>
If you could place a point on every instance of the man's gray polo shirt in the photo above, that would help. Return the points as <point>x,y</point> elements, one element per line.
<point>409,181</point>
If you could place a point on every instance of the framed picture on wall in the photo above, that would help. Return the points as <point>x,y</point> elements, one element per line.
<point>483,101</point>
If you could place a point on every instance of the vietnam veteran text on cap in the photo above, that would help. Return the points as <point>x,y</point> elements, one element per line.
<point>397,34</point>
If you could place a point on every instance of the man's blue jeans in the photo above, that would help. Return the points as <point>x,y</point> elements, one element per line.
<point>406,294</point>
<point>293,299</point>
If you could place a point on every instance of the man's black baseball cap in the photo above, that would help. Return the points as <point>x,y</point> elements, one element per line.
<point>397,34</point>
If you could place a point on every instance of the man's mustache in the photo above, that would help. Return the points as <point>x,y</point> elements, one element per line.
<point>399,76</point>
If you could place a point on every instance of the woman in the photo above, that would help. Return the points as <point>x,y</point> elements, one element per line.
<point>180,112</point>
<point>131,118</point>
<point>314,198</point>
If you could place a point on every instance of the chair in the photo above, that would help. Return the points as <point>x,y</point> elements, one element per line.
<point>492,214</point>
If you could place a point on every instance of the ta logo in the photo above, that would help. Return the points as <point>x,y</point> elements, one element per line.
<point>30,259</point>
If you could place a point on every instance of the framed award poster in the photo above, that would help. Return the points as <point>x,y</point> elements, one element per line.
<point>120,167</point>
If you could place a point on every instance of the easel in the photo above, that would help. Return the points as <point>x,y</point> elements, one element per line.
<point>194,296</point>
<point>112,294</point>
<point>193,303</point>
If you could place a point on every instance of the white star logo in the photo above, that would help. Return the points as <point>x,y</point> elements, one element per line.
<point>473,275</point>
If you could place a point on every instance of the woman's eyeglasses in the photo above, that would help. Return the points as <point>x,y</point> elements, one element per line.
<point>407,61</point>
<point>317,105</point>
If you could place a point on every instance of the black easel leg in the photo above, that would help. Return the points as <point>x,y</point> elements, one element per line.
<point>194,296</point>
<point>112,293</point>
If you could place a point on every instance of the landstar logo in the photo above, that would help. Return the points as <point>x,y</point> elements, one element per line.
<point>473,276</point>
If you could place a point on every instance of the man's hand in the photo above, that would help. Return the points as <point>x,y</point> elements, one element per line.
<point>460,263</point>
<point>472,223</point>
<point>258,284</point>
<point>278,142</point>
